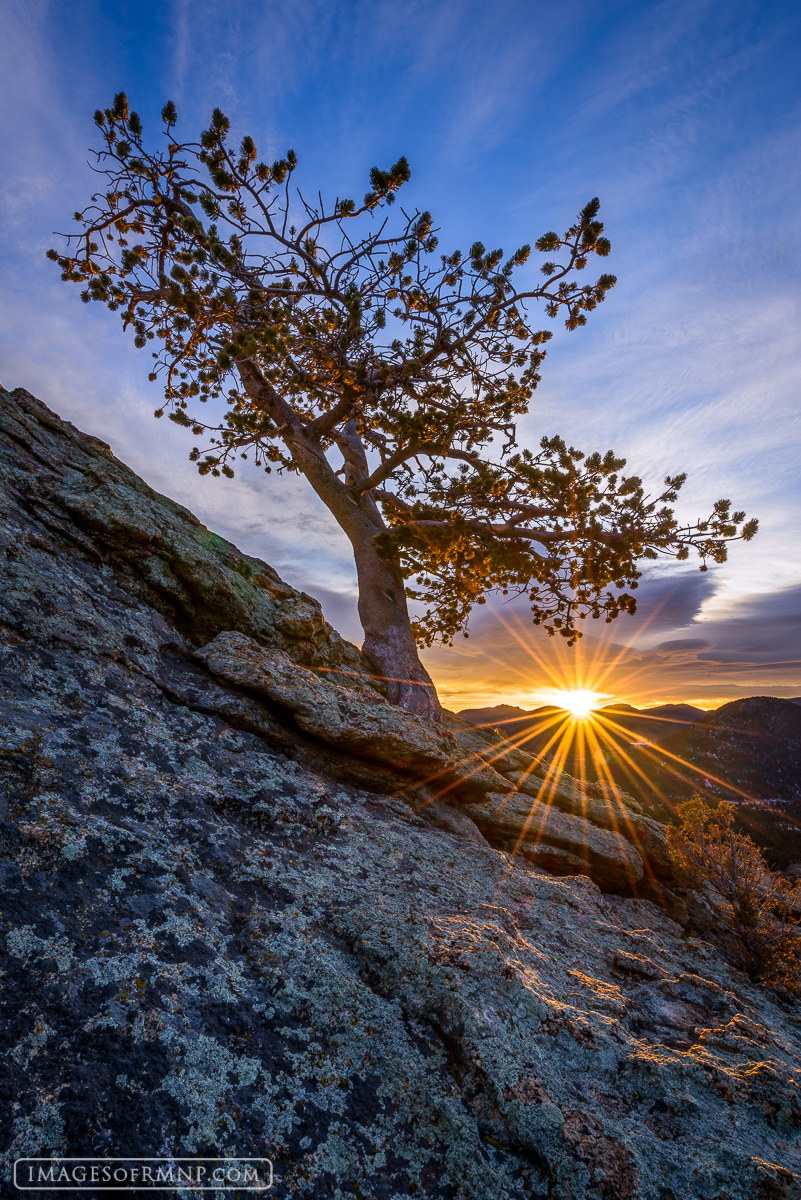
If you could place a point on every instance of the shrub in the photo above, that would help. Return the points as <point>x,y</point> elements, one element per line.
<point>756,908</point>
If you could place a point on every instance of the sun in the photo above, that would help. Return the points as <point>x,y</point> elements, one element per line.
<point>579,702</point>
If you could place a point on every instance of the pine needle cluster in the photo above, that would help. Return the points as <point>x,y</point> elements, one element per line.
<point>341,328</point>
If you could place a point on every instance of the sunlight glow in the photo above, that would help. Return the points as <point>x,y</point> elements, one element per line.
<point>579,702</point>
<point>570,733</point>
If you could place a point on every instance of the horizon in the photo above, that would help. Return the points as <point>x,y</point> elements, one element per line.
<point>685,119</point>
<point>645,708</point>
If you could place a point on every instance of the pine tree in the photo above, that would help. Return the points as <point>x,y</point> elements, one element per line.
<point>346,348</point>
<point>756,909</point>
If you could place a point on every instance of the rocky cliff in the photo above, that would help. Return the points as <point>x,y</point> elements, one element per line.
<point>250,908</point>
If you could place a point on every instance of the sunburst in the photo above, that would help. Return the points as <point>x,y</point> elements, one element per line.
<point>576,733</point>
<point>579,702</point>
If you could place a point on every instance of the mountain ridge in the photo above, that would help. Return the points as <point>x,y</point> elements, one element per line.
<point>655,722</point>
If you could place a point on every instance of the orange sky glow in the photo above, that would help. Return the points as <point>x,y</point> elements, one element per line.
<point>507,661</point>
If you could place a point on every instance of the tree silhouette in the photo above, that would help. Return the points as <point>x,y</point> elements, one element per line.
<point>346,348</point>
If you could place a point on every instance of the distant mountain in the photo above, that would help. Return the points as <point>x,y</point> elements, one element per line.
<point>546,731</point>
<point>750,748</point>
<point>655,724</point>
<point>534,728</point>
<point>748,752</point>
<point>498,715</point>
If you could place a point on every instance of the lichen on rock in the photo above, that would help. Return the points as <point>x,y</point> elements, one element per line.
<point>231,926</point>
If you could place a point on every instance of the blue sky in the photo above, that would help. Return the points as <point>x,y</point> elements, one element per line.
<point>683,117</point>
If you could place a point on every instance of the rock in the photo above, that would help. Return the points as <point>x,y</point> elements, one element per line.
<point>489,745</point>
<point>610,810</point>
<point>606,790</point>
<point>674,905</point>
<point>74,488</point>
<point>525,827</point>
<point>597,804</point>
<point>216,943</point>
<point>353,719</point>
<point>553,859</point>
<point>442,816</point>
<point>635,964</point>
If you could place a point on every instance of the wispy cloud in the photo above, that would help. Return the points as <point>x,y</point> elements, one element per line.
<point>754,648</point>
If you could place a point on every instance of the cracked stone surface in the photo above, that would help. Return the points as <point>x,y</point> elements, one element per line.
<point>223,934</point>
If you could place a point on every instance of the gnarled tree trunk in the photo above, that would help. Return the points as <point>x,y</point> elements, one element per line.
<point>388,639</point>
<point>383,611</point>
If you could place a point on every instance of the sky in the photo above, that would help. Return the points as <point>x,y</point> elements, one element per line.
<point>684,118</point>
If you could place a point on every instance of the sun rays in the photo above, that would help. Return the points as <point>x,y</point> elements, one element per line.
<point>582,759</point>
<point>585,761</point>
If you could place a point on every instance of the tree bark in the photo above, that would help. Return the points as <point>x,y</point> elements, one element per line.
<point>384,614</point>
<point>388,639</point>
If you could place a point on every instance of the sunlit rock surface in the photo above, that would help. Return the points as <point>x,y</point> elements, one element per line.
<point>227,932</point>
<point>524,825</point>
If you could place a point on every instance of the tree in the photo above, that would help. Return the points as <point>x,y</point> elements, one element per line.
<point>390,376</point>
<point>756,909</point>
